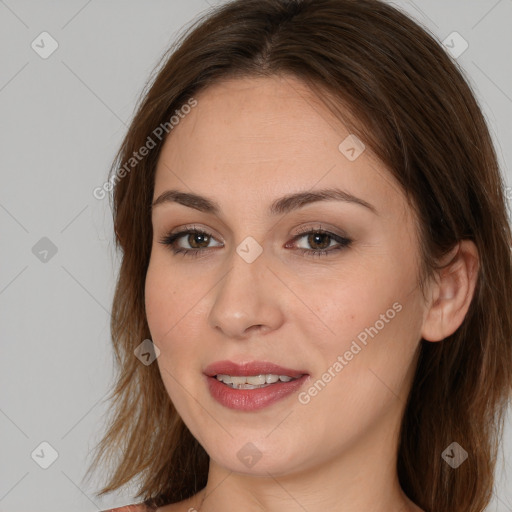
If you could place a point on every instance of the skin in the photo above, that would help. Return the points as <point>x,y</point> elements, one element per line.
<point>246,143</point>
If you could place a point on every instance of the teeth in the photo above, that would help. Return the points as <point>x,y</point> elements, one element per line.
<point>252,381</point>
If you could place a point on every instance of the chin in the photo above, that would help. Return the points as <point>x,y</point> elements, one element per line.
<point>257,456</point>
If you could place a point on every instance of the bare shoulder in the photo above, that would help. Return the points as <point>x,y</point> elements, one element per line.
<point>187,505</point>
<point>137,507</point>
<point>181,506</point>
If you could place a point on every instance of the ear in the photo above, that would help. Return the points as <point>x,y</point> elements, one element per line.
<point>452,292</point>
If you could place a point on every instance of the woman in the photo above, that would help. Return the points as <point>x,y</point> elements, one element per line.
<point>313,306</point>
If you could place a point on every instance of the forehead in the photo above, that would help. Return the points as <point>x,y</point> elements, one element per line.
<point>252,118</point>
<point>259,136</point>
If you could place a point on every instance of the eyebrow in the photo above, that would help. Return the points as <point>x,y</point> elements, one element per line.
<point>280,206</point>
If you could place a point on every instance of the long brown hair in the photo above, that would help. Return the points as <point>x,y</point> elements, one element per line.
<point>409,102</point>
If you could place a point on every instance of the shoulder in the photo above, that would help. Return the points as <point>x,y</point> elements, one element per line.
<point>130,508</point>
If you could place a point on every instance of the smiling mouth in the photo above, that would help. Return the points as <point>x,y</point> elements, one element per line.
<point>253,386</point>
<point>253,381</point>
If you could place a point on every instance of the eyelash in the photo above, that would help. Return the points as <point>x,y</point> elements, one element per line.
<point>343,242</point>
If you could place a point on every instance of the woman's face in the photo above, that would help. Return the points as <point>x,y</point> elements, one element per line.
<point>253,291</point>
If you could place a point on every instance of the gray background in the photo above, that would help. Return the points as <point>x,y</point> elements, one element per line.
<point>62,119</point>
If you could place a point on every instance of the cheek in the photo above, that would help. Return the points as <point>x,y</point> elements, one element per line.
<point>378,307</point>
<point>156,301</point>
<point>344,308</point>
<point>173,308</point>
<point>165,305</point>
<point>166,313</point>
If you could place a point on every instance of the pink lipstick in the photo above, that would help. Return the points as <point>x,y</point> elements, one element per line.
<point>251,386</point>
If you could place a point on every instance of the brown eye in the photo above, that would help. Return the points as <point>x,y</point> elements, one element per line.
<point>319,241</point>
<point>197,239</point>
<point>202,239</point>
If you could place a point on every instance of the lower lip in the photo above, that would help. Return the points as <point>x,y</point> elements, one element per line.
<point>252,399</point>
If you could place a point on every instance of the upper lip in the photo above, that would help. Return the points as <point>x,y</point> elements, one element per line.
<point>250,368</point>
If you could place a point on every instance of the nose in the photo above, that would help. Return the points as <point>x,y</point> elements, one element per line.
<point>245,299</point>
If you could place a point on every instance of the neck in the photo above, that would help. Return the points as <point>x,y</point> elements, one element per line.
<point>364,477</point>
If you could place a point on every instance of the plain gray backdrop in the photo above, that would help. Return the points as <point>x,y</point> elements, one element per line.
<point>63,116</point>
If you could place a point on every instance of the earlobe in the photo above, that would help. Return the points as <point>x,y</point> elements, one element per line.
<point>452,293</point>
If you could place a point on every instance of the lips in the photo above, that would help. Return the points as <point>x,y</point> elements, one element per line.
<point>250,368</point>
